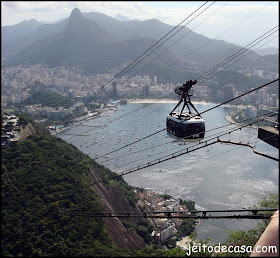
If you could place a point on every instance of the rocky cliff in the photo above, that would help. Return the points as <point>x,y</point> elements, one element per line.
<point>32,129</point>
<point>114,200</point>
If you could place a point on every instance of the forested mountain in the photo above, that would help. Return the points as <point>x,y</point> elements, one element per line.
<point>43,180</point>
<point>15,37</point>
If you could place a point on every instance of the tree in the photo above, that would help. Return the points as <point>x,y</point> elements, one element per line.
<point>250,237</point>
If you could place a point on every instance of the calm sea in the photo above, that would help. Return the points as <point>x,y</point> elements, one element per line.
<point>216,177</point>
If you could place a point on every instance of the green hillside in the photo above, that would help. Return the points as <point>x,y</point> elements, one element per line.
<point>40,181</point>
<point>48,99</point>
<point>43,178</point>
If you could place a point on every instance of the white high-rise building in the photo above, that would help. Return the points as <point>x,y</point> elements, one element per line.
<point>262,96</point>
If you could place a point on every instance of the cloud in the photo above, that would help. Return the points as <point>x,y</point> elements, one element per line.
<point>15,12</point>
<point>12,5</point>
<point>134,10</point>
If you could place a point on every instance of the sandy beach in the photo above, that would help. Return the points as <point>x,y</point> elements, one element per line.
<point>184,242</point>
<point>165,101</point>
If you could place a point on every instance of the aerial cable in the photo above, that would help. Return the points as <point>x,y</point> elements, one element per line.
<point>195,162</point>
<point>151,163</point>
<point>197,143</point>
<point>175,141</point>
<point>165,96</point>
<point>202,75</point>
<point>253,147</point>
<point>131,153</point>
<point>209,40</point>
<point>217,70</point>
<point>242,49</point>
<point>79,188</point>
<point>205,140</point>
<point>188,32</point>
<point>170,94</point>
<point>7,173</point>
<point>230,60</point>
<point>239,96</point>
<point>212,108</point>
<point>164,151</point>
<point>168,39</point>
<point>238,59</point>
<point>177,40</point>
<point>173,155</point>
<point>154,49</point>
<point>226,31</point>
<point>191,30</point>
<point>148,50</point>
<point>24,193</point>
<point>246,18</point>
<point>163,215</point>
<point>171,142</point>
<point>76,187</point>
<point>200,113</point>
<point>178,214</point>
<point>90,183</point>
<point>143,138</point>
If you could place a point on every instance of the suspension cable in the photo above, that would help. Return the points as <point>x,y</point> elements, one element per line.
<point>179,215</point>
<point>120,73</point>
<point>200,113</point>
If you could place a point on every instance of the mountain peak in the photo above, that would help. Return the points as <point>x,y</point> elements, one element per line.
<point>76,20</point>
<point>76,13</point>
<point>31,21</point>
<point>120,17</point>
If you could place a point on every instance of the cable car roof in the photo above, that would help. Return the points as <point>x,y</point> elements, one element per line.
<point>192,118</point>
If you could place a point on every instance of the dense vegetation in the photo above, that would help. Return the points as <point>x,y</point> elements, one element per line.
<point>143,228</point>
<point>250,237</point>
<point>44,178</point>
<point>23,119</point>
<point>40,183</point>
<point>48,100</point>
<point>189,204</point>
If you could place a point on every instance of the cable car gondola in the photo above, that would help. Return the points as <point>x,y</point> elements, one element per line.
<point>185,125</point>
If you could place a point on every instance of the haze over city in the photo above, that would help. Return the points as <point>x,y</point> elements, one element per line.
<point>248,20</point>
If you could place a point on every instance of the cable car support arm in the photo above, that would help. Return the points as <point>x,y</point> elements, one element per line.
<point>185,96</point>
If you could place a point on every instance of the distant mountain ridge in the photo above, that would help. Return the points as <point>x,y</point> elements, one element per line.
<point>79,41</point>
<point>99,43</point>
<point>268,51</point>
<point>120,17</point>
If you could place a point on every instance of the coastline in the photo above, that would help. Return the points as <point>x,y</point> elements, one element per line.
<point>143,101</point>
<point>174,101</point>
<point>184,242</point>
<point>165,101</point>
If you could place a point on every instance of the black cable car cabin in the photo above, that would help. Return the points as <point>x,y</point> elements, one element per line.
<point>185,125</point>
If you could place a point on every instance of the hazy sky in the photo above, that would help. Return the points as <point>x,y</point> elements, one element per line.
<point>234,21</point>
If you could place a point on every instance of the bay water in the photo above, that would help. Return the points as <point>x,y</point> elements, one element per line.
<point>216,177</point>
